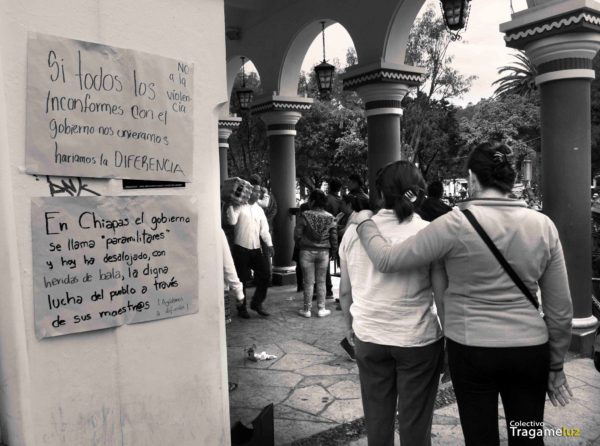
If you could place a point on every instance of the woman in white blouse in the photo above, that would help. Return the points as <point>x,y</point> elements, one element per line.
<point>398,338</point>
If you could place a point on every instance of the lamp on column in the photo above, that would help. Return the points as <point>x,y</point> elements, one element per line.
<point>324,70</point>
<point>456,13</point>
<point>244,94</point>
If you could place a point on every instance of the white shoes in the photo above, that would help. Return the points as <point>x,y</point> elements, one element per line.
<point>323,312</point>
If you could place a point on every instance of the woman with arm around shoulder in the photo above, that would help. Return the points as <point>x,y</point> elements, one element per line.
<point>498,343</point>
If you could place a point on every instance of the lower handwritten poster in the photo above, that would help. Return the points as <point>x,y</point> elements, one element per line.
<point>101,262</point>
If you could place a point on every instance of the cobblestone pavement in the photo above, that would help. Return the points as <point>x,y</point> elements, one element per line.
<point>583,412</point>
<point>312,383</point>
<point>315,389</point>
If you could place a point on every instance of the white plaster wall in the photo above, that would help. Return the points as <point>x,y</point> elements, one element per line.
<point>160,383</point>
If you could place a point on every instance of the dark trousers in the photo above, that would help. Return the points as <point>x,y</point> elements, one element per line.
<point>268,259</point>
<point>252,259</point>
<point>402,378</point>
<point>479,374</point>
<point>328,284</point>
<point>299,277</point>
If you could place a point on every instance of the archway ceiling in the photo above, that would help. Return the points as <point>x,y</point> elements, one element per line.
<point>267,32</point>
<point>245,13</point>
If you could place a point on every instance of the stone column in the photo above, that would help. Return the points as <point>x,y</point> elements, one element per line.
<point>382,88</point>
<point>561,42</point>
<point>226,127</point>
<point>281,114</point>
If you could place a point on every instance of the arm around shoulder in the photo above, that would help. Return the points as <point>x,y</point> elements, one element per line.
<point>430,244</point>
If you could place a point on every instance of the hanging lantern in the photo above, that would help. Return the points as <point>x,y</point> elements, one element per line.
<point>456,13</point>
<point>244,94</point>
<point>324,70</point>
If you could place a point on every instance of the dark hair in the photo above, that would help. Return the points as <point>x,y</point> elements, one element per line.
<point>394,182</point>
<point>334,185</point>
<point>255,179</point>
<point>318,197</point>
<point>356,203</point>
<point>491,163</point>
<point>435,189</point>
<point>356,178</point>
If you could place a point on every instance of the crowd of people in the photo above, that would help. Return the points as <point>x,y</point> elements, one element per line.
<point>595,200</point>
<point>320,223</point>
<point>420,278</point>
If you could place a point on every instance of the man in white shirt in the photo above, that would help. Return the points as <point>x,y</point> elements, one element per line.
<point>250,227</point>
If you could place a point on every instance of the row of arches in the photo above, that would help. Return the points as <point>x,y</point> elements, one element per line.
<point>377,36</point>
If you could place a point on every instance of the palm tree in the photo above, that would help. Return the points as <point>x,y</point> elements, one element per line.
<point>518,78</point>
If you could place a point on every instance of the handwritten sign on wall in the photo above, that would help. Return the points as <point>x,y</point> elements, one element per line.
<point>100,262</point>
<point>99,111</point>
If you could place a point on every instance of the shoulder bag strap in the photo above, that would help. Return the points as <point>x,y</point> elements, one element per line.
<point>511,272</point>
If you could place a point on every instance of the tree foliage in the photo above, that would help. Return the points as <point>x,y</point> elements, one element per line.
<point>510,119</point>
<point>439,137</point>
<point>248,146</point>
<point>430,128</point>
<point>518,78</point>
<point>331,136</point>
<point>427,47</point>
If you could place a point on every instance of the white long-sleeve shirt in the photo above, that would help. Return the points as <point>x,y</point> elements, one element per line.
<point>250,225</point>
<point>390,309</point>
<point>229,273</point>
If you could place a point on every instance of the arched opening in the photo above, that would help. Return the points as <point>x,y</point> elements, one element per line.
<point>306,51</point>
<point>248,145</point>
<point>234,74</point>
<point>340,52</point>
<point>397,36</point>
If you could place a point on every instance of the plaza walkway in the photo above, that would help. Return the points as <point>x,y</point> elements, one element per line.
<point>315,389</point>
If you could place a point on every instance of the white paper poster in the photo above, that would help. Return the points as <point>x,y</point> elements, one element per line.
<point>100,262</point>
<point>99,111</point>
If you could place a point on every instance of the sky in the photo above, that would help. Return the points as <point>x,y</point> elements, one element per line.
<point>481,51</point>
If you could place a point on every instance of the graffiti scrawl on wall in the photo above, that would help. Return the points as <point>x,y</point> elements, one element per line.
<point>74,187</point>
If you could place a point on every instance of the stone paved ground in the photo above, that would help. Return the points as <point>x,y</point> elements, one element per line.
<point>312,383</point>
<point>315,388</point>
<point>583,413</point>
